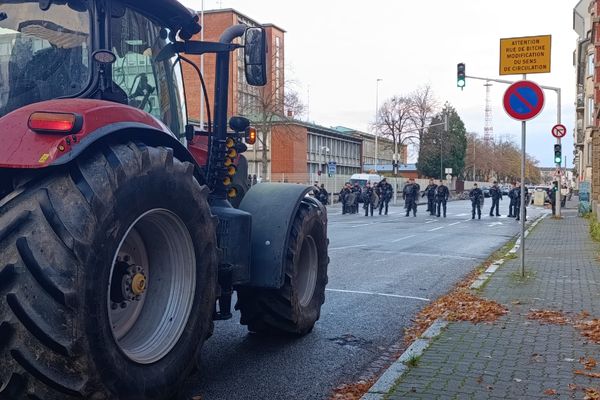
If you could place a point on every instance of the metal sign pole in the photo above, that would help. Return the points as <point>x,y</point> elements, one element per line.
<point>523,192</point>
<point>560,176</point>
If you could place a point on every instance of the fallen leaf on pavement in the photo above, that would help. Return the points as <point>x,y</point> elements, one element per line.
<point>353,391</point>
<point>549,392</point>
<point>589,363</point>
<point>589,374</point>
<point>591,394</point>
<point>572,386</point>
<point>549,316</point>
<point>459,305</point>
<point>590,329</point>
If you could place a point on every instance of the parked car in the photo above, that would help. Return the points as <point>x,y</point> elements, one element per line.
<point>505,190</point>
<point>486,191</point>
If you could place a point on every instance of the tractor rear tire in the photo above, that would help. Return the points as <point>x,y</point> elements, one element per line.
<point>295,307</point>
<point>68,249</point>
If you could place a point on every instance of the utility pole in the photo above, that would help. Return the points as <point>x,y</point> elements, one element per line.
<point>377,122</point>
<point>441,148</point>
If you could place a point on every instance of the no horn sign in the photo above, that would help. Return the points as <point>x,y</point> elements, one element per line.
<point>523,100</point>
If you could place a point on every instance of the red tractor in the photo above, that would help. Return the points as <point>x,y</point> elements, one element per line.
<point>123,229</point>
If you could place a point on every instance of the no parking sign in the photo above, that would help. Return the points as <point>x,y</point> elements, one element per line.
<point>523,100</point>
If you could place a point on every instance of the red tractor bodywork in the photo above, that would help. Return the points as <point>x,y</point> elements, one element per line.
<point>24,148</point>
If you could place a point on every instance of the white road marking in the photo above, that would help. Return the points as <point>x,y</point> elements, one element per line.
<point>348,247</point>
<point>356,226</point>
<point>436,229</point>
<point>378,294</point>
<point>455,223</point>
<point>430,221</point>
<point>402,238</point>
<point>462,215</point>
<point>495,223</point>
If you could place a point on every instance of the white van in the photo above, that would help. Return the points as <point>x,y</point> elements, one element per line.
<point>362,179</point>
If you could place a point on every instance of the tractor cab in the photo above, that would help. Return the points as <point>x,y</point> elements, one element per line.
<point>47,49</point>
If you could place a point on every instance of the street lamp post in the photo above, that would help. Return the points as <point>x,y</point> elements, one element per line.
<point>377,121</point>
<point>324,150</point>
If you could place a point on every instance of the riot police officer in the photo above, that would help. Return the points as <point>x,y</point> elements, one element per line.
<point>511,205</point>
<point>496,195</point>
<point>368,195</point>
<point>476,196</point>
<point>430,192</point>
<point>441,197</point>
<point>518,202</point>
<point>385,195</point>
<point>345,198</point>
<point>357,191</point>
<point>410,194</point>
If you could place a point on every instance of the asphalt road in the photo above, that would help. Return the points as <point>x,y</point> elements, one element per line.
<point>383,270</point>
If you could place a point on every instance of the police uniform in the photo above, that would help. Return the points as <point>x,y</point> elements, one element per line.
<point>441,197</point>
<point>430,192</point>
<point>476,196</point>
<point>410,193</point>
<point>496,195</point>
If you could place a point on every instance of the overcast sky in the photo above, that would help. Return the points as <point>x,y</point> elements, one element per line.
<point>337,49</point>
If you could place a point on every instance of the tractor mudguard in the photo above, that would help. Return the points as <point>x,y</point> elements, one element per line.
<point>24,148</point>
<point>273,207</point>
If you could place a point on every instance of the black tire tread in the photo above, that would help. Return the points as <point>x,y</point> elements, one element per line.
<point>40,265</point>
<point>273,311</point>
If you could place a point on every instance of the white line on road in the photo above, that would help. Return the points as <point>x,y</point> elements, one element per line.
<point>402,238</point>
<point>430,221</point>
<point>436,229</point>
<point>462,215</point>
<point>356,226</point>
<point>455,223</point>
<point>378,294</point>
<point>348,247</point>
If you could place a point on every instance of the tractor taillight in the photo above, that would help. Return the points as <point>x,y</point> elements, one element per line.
<point>50,122</point>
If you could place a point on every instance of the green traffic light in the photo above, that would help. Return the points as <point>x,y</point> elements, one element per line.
<point>460,83</point>
<point>557,159</point>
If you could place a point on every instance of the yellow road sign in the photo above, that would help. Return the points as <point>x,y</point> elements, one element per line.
<point>525,55</point>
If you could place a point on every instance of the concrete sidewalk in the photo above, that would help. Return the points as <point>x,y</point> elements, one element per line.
<point>517,357</point>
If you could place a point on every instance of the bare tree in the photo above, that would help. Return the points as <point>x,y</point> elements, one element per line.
<point>425,105</point>
<point>395,120</point>
<point>270,105</point>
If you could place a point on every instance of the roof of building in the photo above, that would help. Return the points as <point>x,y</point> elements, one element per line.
<point>390,167</point>
<point>234,11</point>
<point>321,130</point>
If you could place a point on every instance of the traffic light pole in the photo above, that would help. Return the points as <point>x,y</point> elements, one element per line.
<point>557,199</point>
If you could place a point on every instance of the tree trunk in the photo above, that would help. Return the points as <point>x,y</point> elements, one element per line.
<point>264,161</point>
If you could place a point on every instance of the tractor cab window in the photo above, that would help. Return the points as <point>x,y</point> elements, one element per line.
<point>149,85</point>
<point>44,53</point>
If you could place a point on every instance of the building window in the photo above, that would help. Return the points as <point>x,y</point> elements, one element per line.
<point>590,112</point>
<point>590,64</point>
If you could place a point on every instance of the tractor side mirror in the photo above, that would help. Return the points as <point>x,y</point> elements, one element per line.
<point>255,56</point>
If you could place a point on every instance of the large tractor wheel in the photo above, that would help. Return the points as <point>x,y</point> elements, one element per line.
<point>107,279</point>
<point>296,306</point>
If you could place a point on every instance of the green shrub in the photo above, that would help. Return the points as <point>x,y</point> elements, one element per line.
<point>594,227</point>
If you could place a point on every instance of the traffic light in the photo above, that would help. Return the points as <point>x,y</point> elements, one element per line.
<point>557,154</point>
<point>461,78</point>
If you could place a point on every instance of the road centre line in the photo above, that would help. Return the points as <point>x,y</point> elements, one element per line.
<point>378,294</point>
<point>402,238</point>
<point>348,247</point>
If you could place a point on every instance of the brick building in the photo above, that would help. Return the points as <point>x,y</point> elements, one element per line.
<point>243,98</point>
<point>294,151</point>
<point>587,142</point>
